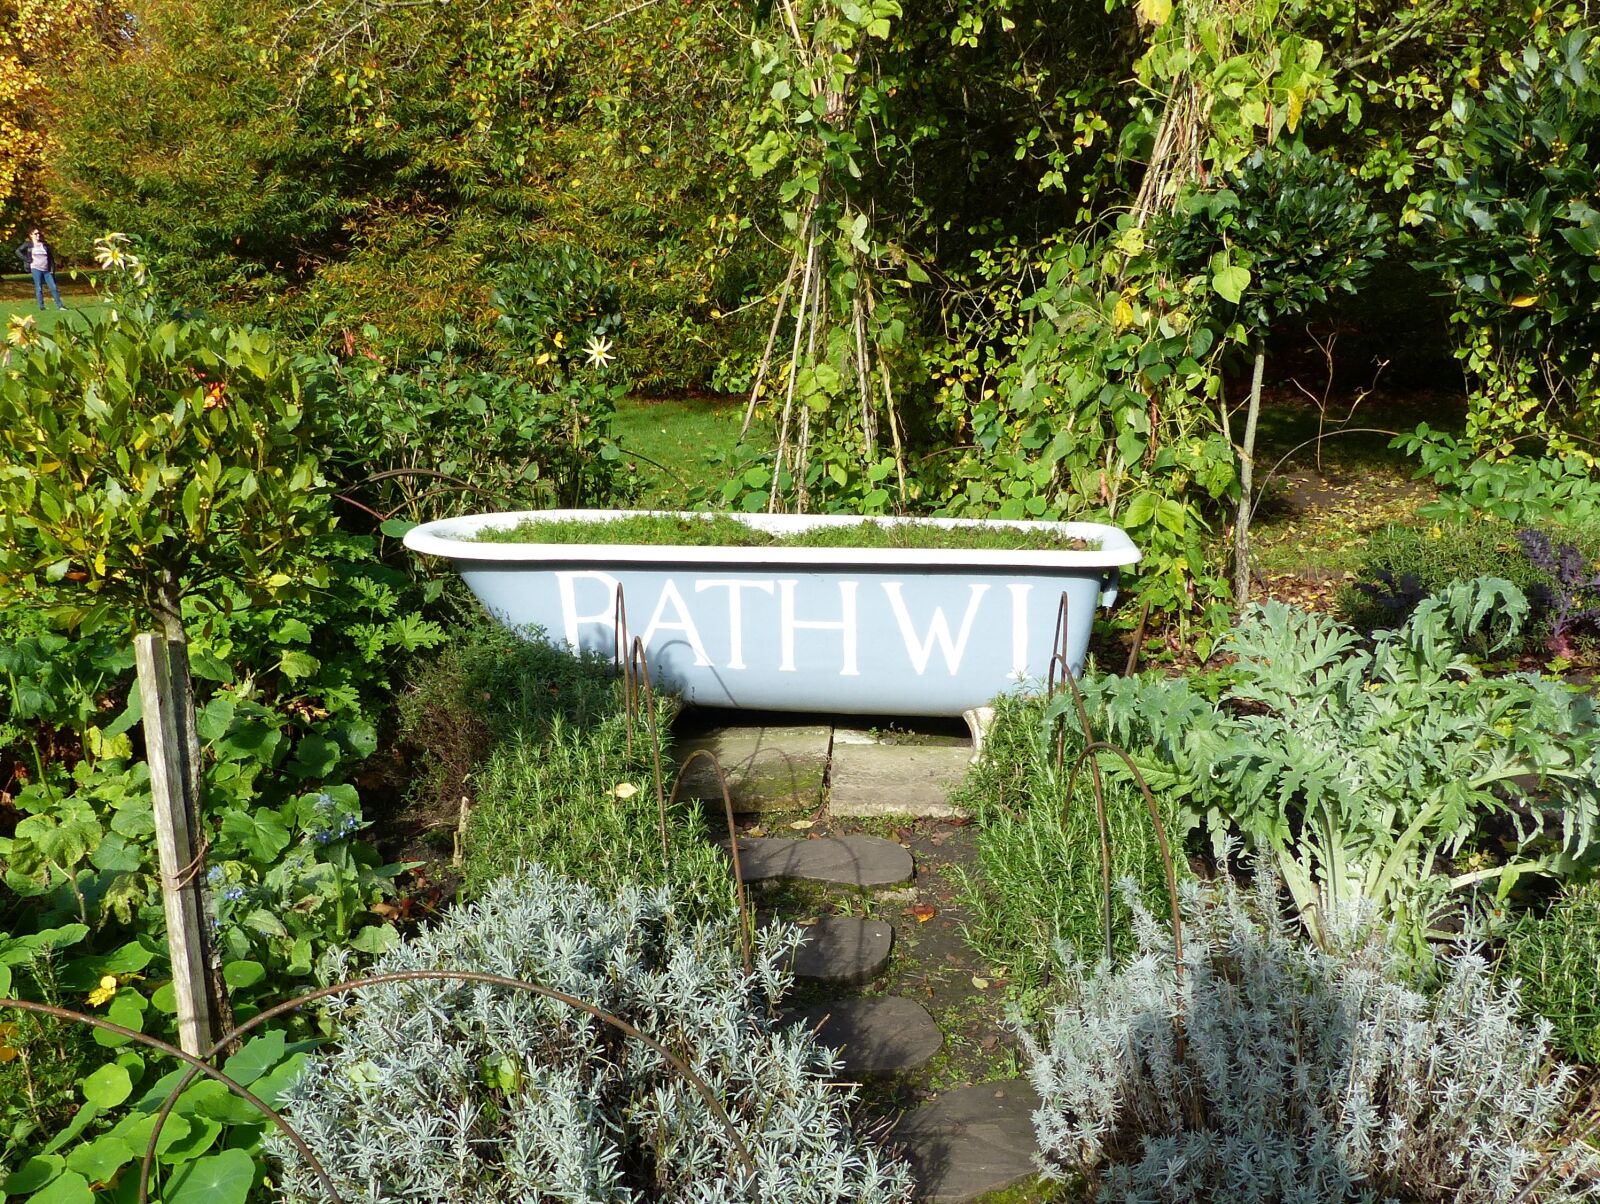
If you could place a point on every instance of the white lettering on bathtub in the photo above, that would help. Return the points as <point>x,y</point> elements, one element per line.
<point>659,622</point>
<point>921,651</point>
<point>566,582</point>
<point>735,612</point>
<point>845,625</point>
<point>1019,629</point>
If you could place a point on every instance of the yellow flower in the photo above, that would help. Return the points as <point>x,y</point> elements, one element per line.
<point>104,992</point>
<point>8,1053</point>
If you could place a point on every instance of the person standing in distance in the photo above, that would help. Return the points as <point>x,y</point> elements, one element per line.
<point>39,258</point>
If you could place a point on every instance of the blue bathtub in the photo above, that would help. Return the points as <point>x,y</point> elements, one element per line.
<point>865,631</point>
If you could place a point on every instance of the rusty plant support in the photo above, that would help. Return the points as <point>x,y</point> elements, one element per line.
<point>636,684</point>
<point>1091,754</point>
<point>740,897</point>
<point>1058,661</point>
<point>635,667</point>
<point>701,1087</point>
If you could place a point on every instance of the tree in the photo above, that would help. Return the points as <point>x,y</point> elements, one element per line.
<point>146,455</point>
<point>38,39</point>
<point>1286,230</point>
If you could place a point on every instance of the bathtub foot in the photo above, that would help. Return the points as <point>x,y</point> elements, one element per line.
<point>978,722</point>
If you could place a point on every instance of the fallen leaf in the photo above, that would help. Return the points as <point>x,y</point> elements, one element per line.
<point>624,790</point>
<point>922,912</point>
<point>981,983</point>
<point>387,910</point>
<point>988,1043</point>
<point>800,825</point>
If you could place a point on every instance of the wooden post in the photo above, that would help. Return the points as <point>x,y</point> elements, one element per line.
<point>177,830</point>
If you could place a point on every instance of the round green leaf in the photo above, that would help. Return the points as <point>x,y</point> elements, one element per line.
<point>108,1086</point>
<point>223,1178</point>
<point>70,1188</point>
<point>239,975</point>
<point>101,1158</point>
<point>32,1175</point>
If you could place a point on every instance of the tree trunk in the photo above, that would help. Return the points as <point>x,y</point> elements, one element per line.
<point>1247,452</point>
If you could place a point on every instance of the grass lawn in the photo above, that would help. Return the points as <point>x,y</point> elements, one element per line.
<point>16,299</point>
<point>680,445</point>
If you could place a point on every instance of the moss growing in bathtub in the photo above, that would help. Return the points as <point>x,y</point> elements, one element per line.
<point>716,530</point>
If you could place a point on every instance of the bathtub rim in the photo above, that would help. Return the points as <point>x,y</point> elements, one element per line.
<point>449,538</point>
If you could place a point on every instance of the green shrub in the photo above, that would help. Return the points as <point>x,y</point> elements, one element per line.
<point>1556,957</point>
<point>1037,886</point>
<point>533,741</point>
<point>1384,781</point>
<point>466,1092</point>
<point>1274,1071</point>
<point>421,438</point>
<point>1405,564</point>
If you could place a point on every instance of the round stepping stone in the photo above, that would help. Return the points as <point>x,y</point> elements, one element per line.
<point>843,951</point>
<point>874,1036</point>
<point>971,1141</point>
<point>844,860</point>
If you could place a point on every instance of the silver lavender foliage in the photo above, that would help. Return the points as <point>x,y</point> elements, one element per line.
<point>1301,1076</point>
<point>436,1091</point>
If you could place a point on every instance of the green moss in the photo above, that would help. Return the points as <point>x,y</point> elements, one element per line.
<point>717,530</point>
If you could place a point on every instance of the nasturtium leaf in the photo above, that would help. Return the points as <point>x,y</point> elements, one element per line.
<point>239,975</point>
<point>69,1188</point>
<point>101,1158</point>
<point>223,1178</point>
<point>108,1086</point>
<point>32,1175</point>
<point>259,1055</point>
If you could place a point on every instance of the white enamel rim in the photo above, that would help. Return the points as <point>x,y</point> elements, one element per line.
<point>454,539</point>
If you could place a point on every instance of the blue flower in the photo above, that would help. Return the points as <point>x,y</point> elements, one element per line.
<point>233,894</point>
<point>214,875</point>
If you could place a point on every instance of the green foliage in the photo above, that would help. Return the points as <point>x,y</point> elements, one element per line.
<point>1083,393</point>
<point>1403,565</point>
<point>553,304</point>
<point>1287,230</point>
<point>394,165</point>
<point>1555,957</point>
<point>419,440</point>
<point>1035,894</point>
<point>1378,781</point>
<point>1557,488</point>
<point>1515,236</point>
<point>146,455</point>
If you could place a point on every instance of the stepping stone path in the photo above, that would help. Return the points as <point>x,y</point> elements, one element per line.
<point>862,861</point>
<point>968,1141</point>
<point>843,951</point>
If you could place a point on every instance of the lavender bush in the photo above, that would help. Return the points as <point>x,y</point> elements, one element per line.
<point>443,1092</point>
<point>1296,1075</point>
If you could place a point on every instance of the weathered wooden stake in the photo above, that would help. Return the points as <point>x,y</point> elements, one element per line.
<point>177,842</point>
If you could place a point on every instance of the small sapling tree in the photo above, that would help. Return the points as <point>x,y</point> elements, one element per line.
<point>1285,231</point>
<point>144,457</point>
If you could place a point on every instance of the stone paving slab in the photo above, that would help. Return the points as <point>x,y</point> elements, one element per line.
<point>768,768</point>
<point>881,1035</point>
<point>896,779</point>
<point>970,1141</point>
<point>868,861</point>
<point>844,951</point>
